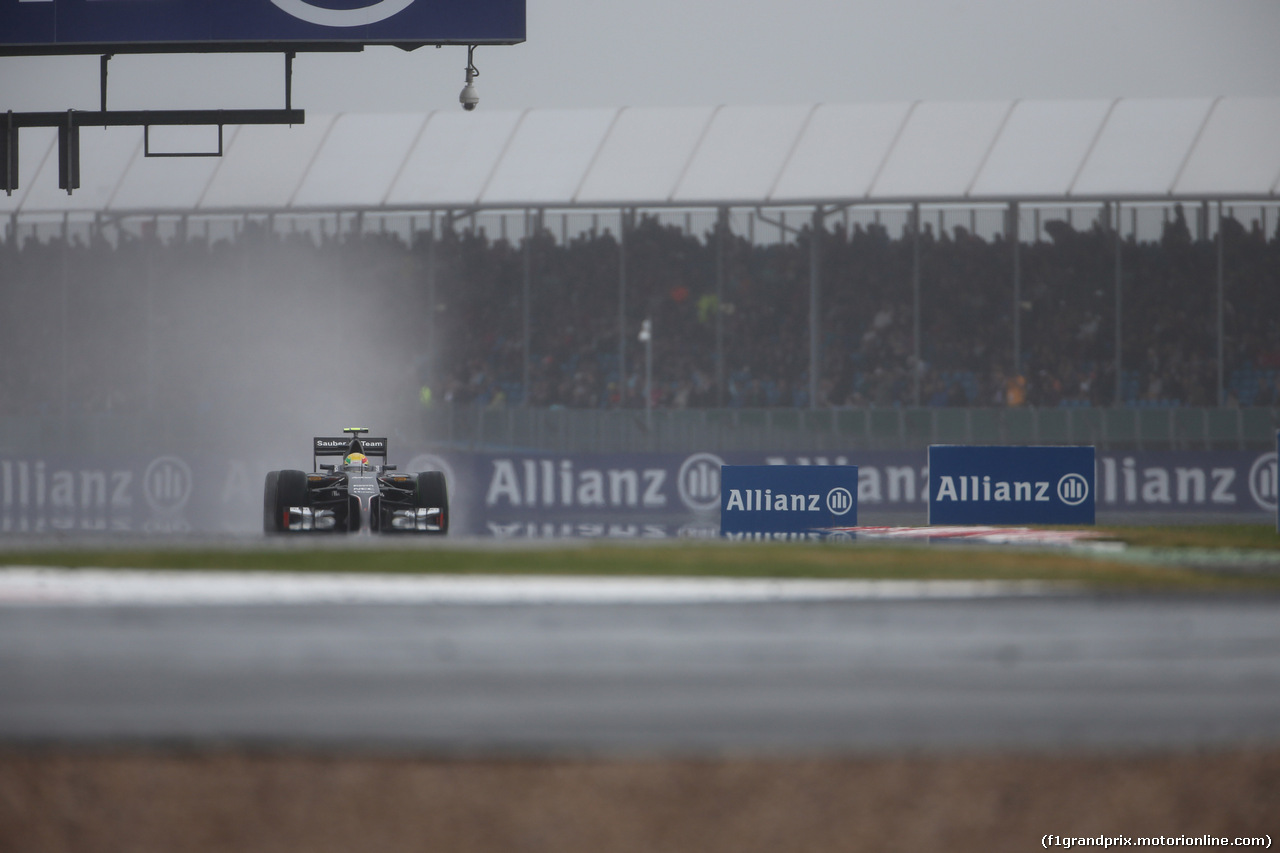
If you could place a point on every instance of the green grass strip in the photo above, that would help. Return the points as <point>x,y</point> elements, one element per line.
<point>1195,557</point>
<point>1262,537</point>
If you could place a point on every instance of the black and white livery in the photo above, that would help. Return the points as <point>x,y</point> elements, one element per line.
<point>355,496</point>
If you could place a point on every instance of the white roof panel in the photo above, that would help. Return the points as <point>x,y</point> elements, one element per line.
<point>548,156</point>
<point>1141,148</point>
<point>841,150</point>
<point>358,160</point>
<point>1040,148</point>
<point>166,183</point>
<point>940,150</point>
<point>742,154</point>
<point>644,155</point>
<point>703,156</point>
<point>35,147</point>
<point>264,164</point>
<point>1238,151</point>
<point>454,157</point>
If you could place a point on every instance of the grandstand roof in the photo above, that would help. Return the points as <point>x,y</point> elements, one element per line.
<point>924,151</point>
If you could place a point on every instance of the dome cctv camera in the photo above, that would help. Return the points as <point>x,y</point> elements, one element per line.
<point>469,98</point>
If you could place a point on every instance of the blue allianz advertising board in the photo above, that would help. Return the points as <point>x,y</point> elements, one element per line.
<point>118,26</point>
<point>1011,485</point>
<point>787,501</point>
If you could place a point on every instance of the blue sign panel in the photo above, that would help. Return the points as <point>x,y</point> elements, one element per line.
<point>93,26</point>
<point>1011,485</point>
<point>786,501</point>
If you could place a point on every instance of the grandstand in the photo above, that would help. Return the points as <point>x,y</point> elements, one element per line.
<point>893,274</point>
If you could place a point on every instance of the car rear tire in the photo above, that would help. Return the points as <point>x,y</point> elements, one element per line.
<point>434,492</point>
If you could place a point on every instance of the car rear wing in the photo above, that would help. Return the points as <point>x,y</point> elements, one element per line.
<point>341,446</point>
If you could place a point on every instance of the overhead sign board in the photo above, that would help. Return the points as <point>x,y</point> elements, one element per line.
<point>125,26</point>
<point>1011,485</point>
<point>787,501</point>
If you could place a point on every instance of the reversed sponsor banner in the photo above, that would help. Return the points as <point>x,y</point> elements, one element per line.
<point>786,501</point>
<point>517,529</point>
<point>1011,485</point>
<point>985,534</point>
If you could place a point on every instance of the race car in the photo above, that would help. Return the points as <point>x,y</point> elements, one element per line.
<point>356,496</point>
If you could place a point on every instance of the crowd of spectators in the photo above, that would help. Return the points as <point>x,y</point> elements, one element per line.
<point>136,322</point>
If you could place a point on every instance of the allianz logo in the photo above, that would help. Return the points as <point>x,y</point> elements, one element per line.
<point>35,498</point>
<point>1072,489</point>
<point>549,483</point>
<point>1262,481</point>
<point>35,488</point>
<point>1121,480</point>
<point>28,485</point>
<point>698,480</point>
<point>838,502</point>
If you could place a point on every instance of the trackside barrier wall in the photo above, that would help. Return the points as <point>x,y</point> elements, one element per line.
<point>522,494</point>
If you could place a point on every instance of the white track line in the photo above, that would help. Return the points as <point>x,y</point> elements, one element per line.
<point>34,586</point>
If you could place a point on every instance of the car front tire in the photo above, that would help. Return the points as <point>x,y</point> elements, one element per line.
<point>434,492</point>
<point>282,490</point>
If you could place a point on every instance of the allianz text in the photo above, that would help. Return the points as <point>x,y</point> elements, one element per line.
<point>764,500</point>
<point>975,488</point>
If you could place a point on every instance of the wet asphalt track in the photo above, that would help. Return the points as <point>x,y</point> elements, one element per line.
<point>1063,671</point>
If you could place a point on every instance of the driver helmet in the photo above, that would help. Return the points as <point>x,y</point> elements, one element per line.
<point>356,459</point>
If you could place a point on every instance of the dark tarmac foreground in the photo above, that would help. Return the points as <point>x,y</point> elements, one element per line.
<point>774,678</point>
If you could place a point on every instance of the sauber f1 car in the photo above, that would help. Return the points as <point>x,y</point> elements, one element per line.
<point>356,496</point>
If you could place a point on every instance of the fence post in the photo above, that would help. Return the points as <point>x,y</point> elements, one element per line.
<point>1014,243</point>
<point>1222,391</point>
<point>1115,230</point>
<point>915,302</point>
<point>722,226</point>
<point>525,277</point>
<point>815,284</point>
<point>624,217</point>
